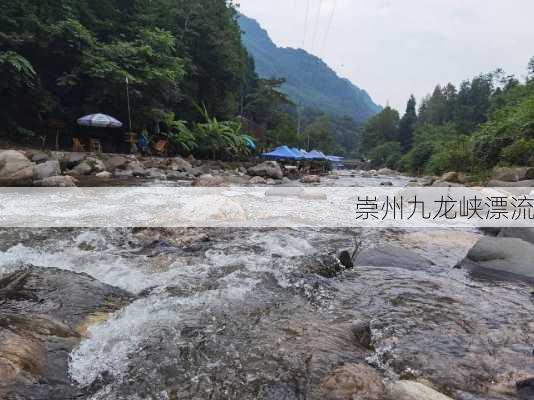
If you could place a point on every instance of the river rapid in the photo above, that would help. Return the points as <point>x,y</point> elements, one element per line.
<point>239,314</point>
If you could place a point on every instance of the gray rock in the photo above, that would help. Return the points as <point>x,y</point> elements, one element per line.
<point>45,312</point>
<point>155,173</point>
<point>311,179</point>
<point>70,160</point>
<point>104,175</point>
<point>57,181</point>
<point>525,389</point>
<point>81,169</point>
<point>502,257</point>
<point>391,256</point>
<point>362,332</point>
<point>257,180</point>
<point>46,170</point>
<point>268,169</point>
<point>512,174</point>
<point>526,234</point>
<point>116,162</point>
<point>386,184</point>
<point>39,157</point>
<point>208,180</point>
<point>96,164</point>
<point>409,390</point>
<point>345,258</point>
<point>181,165</point>
<point>178,176</point>
<point>15,169</point>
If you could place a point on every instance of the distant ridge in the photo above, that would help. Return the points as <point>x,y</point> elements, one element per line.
<point>308,79</point>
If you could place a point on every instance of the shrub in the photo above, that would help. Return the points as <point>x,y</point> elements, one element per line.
<point>450,159</point>
<point>384,154</point>
<point>416,159</point>
<point>521,152</point>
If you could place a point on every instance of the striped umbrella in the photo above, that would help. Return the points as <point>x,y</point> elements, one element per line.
<point>99,121</point>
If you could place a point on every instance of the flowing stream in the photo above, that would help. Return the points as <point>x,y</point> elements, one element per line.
<point>236,314</point>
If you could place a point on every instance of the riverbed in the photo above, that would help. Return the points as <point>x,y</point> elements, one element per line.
<point>240,314</point>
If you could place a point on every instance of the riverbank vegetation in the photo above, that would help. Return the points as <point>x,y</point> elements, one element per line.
<point>487,121</point>
<point>182,61</point>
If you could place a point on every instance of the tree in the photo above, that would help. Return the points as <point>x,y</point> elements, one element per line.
<point>407,125</point>
<point>383,127</point>
<point>530,69</point>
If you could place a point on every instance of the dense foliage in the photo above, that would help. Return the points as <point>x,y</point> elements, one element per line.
<point>183,61</point>
<point>488,121</point>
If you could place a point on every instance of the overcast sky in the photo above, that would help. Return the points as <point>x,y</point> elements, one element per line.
<point>393,48</point>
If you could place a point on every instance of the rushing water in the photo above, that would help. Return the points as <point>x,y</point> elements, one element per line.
<point>235,314</point>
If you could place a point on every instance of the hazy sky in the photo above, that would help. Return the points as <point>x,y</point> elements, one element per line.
<point>393,48</point>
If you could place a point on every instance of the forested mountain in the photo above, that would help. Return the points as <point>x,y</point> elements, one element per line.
<point>487,121</point>
<point>308,80</point>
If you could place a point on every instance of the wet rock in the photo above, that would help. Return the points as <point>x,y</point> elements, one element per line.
<point>353,382</point>
<point>96,164</point>
<point>391,256</point>
<point>345,258</point>
<point>525,389</point>
<point>41,312</point>
<point>181,165</point>
<point>57,181</point>
<point>81,169</point>
<point>272,182</point>
<point>279,391</point>
<point>506,257</point>
<point>70,160</point>
<point>512,174</point>
<point>155,173</point>
<point>268,169</point>
<point>526,234</point>
<point>257,180</point>
<point>104,175</point>
<point>311,179</point>
<point>46,170</point>
<point>386,183</point>
<point>208,180</point>
<point>39,157</point>
<point>362,332</point>
<point>409,390</point>
<point>178,176</point>
<point>116,162</point>
<point>15,169</point>
<point>327,266</point>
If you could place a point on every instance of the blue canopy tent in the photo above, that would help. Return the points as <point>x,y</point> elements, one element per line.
<point>315,155</point>
<point>284,153</point>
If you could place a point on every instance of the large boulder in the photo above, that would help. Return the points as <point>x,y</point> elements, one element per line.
<point>70,160</point>
<point>453,177</point>
<point>257,180</point>
<point>46,170</point>
<point>268,169</point>
<point>81,169</point>
<point>512,174</point>
<point>44,313</point>
<point>353,382</point>
<point>180,165</point>
<point>116,162</point>
<point>96,164</point>
<point>506,257</point>
<point>39,157</point>
<point>526,234</point>
<point>409,390</point>
<point>391,256</point>
<point>15,169</point>
<point>57,181</point>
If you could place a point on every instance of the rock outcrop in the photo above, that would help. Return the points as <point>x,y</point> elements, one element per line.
<point>15,169</point>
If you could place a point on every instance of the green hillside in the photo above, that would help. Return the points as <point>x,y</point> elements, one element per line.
<point>309,81</point>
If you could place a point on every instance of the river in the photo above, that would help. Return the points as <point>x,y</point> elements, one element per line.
<point>237,314</point>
